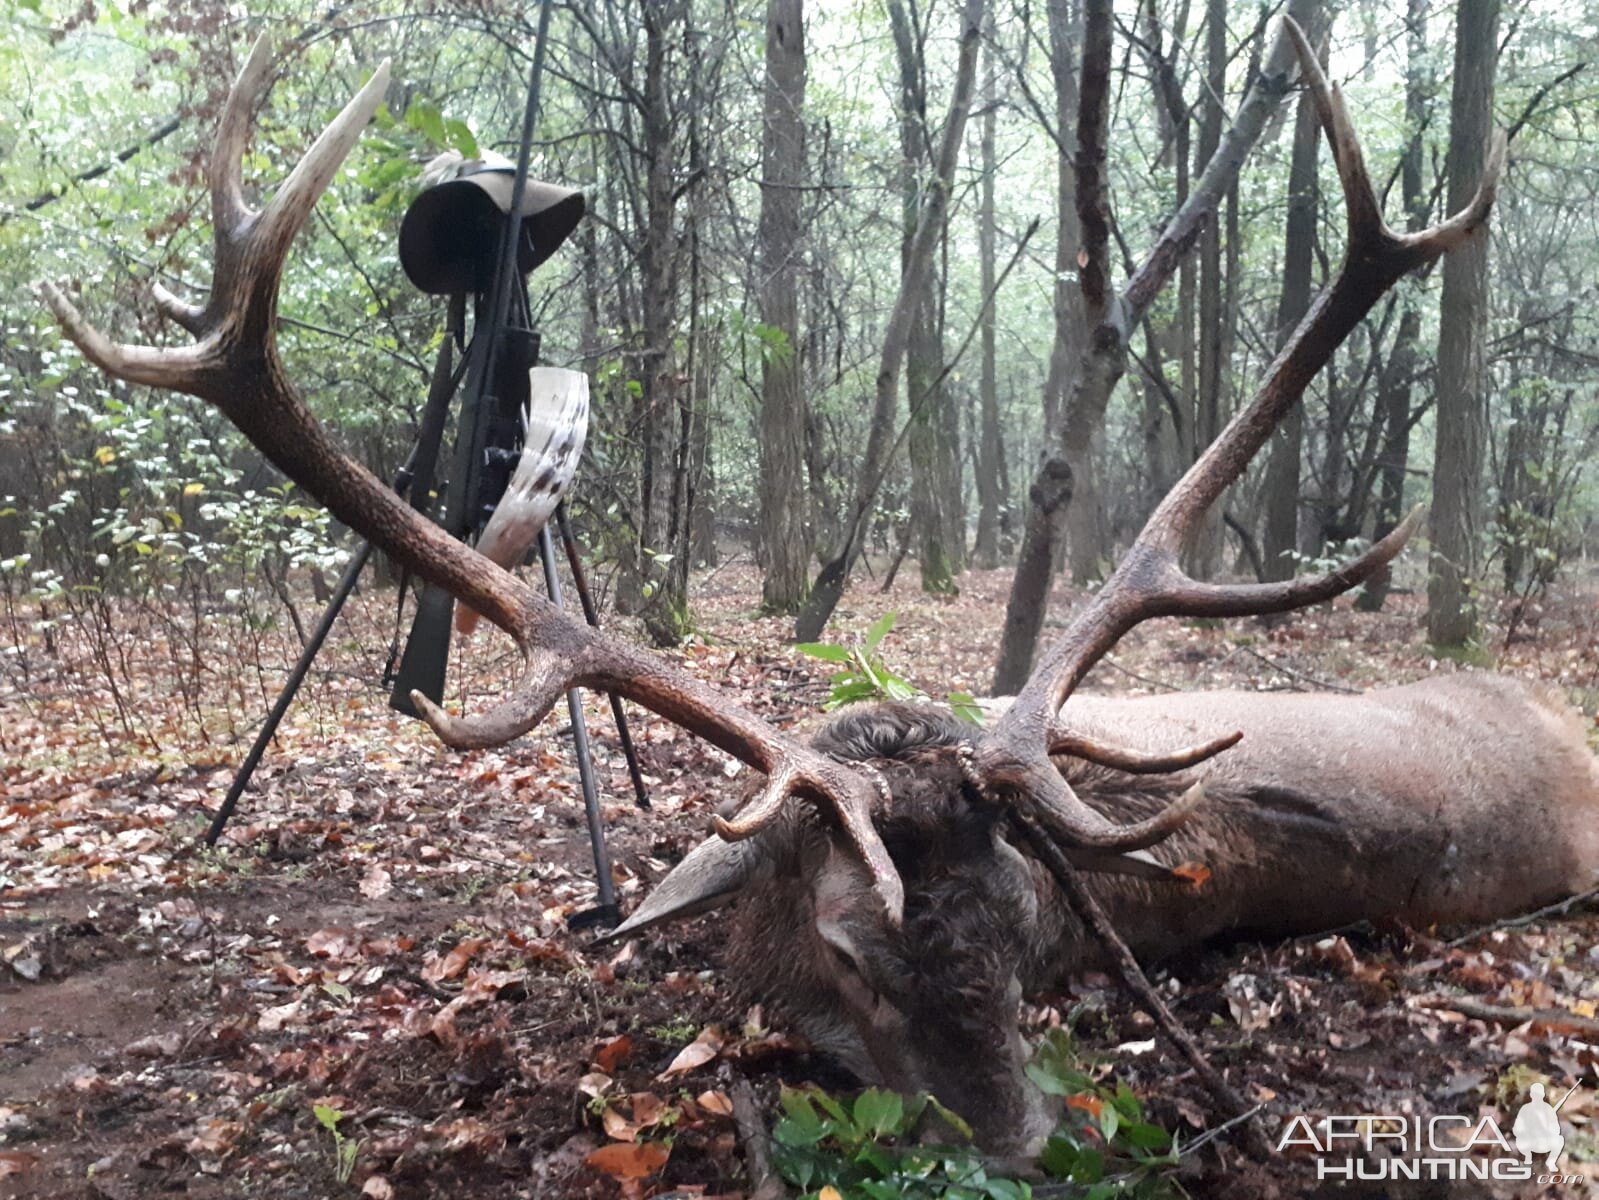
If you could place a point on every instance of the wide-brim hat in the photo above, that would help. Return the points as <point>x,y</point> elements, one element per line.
<point>451,233</point>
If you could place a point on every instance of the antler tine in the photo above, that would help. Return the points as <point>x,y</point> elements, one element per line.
<point>290,207</point>
<point>1135,762</point>
<point>187,316</point>
<point>175,368</point>
<point>1361,206</point>
<point>1444,237</point>
<point>1149,582</point>
<point>224,173</point>
<point>1191,598</point>
<point>235,366</point>
<point>1058,807</point>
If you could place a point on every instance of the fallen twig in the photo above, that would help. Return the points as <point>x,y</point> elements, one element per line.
<point>1136,982</point>
<point>1300,675</point>
<point>1556,1019</point>
<point>1559,908</point>
<point>765,1184</point>
<point>1216,1131</point>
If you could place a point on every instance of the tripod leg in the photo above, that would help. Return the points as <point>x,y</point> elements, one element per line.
<point>606,913</point>
<point>591,614</point>
<point>241,780</point>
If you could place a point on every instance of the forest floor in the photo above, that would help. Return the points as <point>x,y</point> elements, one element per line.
<point>381,938</point>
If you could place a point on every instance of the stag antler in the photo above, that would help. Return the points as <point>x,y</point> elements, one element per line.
<point>1149,582</point>
<point>234,365</point>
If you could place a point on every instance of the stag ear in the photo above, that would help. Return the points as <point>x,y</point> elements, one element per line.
<point>709,875</point>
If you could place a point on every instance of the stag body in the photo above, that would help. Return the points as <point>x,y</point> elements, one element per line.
<point>1457,799</point>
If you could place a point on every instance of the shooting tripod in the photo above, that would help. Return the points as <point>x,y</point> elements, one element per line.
<point>427,649</point>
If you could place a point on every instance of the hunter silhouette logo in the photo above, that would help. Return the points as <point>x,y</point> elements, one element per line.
<point>1537,1128</point>
<point>1371,1146</point>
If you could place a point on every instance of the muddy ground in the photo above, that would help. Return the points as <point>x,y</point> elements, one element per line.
<point>381,938</point>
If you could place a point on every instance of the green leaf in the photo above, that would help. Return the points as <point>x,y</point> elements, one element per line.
<point>1109,1122</point>
<point>1059,1156</point>
<point>461,138</point>
<point>841,1119</point>
<point>964,705</point>
<point>897,688</point>
<point>428,121</point>
<point>788,1132</point>
<point>850,693</point>
<point>1054,1067</point>
<point>879,1190</point>
<point>327,1116</point>
<point>879,630</point>
<point>1146,1137</point>
<point>1089,1167</point>
<point>825,651</point>
<point>1007,1189</point>
<point>797,1104</point>
<point>953,1119</point>
<point>879,1112</point>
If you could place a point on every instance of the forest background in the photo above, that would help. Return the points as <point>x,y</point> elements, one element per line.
<point>831,296</point>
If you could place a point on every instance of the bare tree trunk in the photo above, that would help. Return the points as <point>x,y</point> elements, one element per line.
<point>785,523</point>
<point>926,396</point>
<point>1112,318</point>
<point>834,575</point>
<point>985,552</point>
<point>1281,490</point>
<point>1394,388</point>
<point>1212,334</point>
<point>654,588</point>
<point>1051,488</point>
<point>1462,372</point>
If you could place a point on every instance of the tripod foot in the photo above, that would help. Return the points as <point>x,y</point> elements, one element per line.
<point>601,916</point>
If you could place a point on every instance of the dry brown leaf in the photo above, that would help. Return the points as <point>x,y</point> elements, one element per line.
<point>635,1160</point>
<point>1195,874</point>
<point>648,1108</point>
<point>273,1019</point>
<point>377,882</point>
<point>617,1127</point>
<point>715,1102</point>
<point>333,943</point>
<point>613,1054</point>
<point>14,1162</point>
<point>453,963</point>
<point>696,1054</point>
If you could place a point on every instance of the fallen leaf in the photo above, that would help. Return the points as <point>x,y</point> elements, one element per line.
<point>333,943</point>
<point>715,1102</point>
<point>696,1054</point>
<point>648,1108</point>
<point>634,1160</point>
<point>273,1019</point>
<point>453,963</point>
<point>1195,874</point>
<point>617,1127</point>
<point>376,883</point>
<point>378,1188</point>
<point>613,1054</point>
<point>594,1085</point>
<point>163,1045</point>
<point>14,1162</point>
